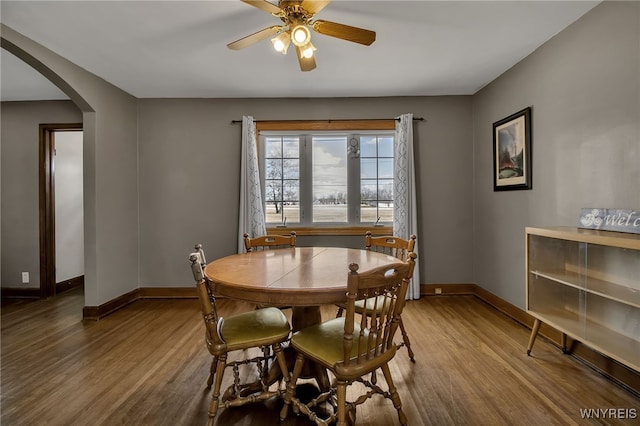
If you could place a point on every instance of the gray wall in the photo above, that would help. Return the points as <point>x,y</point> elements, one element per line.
<point>110,158</point>
<point>190,164</point>
<point>19,166</point>
<point>584,88</point>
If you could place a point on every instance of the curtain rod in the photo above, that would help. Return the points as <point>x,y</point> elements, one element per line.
<point>330,120</point>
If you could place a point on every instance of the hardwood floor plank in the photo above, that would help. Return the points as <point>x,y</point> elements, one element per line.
<point>146,364</point>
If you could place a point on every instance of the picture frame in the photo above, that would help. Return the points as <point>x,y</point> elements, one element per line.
<point>512,152</point>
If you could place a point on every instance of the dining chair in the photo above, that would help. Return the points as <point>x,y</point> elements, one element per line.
<point>270,242</point>
<point>266,329</point>
<point>396,247</point>
<point>267,242</point>
<point>353,346</point>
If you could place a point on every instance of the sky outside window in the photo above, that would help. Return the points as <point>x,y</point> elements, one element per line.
<point>329,155</point>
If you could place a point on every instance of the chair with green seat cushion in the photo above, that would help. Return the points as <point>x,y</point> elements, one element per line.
<point>396,247</point>
<point>265,329</point>
<point>353,346</point>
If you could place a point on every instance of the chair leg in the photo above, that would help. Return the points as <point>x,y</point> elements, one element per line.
<point>215,396</point>
<point>282,362</point>
<point>212,371</point>
<point>291,386</point>
<point>405,339</point>
<point>266,351</point>
<point>339,312</point>
<point>395,396</point>
<point>341,393</point>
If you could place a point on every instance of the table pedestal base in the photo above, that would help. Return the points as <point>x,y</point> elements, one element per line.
<point>302,317</point>
<point>305,316</point>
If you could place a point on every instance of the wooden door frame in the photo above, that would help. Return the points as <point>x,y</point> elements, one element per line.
<point>48,206</point>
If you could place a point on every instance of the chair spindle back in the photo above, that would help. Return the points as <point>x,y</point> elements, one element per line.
<point>267,242</point>
<point>207,301</point>
<point>391,245</point>
<point>373,337</point>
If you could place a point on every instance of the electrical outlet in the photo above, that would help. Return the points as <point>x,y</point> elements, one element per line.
<point>25,278</point>
<point>438,290</point>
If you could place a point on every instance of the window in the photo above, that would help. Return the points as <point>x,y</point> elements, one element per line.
<point>376,178</point>
<point>282,179</point>
<point>327,178</point>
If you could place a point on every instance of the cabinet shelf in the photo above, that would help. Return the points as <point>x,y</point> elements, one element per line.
<point>614,345</point>
<point>609,290</point>
<point>586,284</point>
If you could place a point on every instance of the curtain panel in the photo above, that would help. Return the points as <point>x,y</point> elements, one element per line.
<point>251,216</point>
<point>405,211</point>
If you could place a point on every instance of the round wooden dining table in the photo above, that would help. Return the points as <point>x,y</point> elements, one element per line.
<point>301,277</point>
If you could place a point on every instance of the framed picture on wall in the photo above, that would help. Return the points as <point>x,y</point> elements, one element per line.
<point>512,152</point>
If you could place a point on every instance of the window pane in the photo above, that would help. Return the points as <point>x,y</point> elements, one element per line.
<point>290,147</point>
<point>291,191</point>
<point>273,189</point>
<point>273,212</point>
<point>385,189</point>
<point>376,179</point>
<point>368,146</point>
<point>291,203</point>
<point>369,212</point>
<point>290,168</point>
<point>385,146</point>
<point>291,213</point>
<point>368,168</point>
<point>385,168</point>
<point>274,169</point>
<point>273,148</point>
<point>282,185</point>
<point>329,170</point>
<point>368,190</point>
<point>385,211</point>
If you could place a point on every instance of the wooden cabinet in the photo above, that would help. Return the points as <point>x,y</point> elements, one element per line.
<point>586,284</point>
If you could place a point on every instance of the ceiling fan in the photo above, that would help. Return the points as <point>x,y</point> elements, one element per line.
<point>297,17</point>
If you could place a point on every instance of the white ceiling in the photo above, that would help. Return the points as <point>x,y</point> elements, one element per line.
<point>166,49</point>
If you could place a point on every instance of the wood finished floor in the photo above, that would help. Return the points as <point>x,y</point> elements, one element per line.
<point>146,365</point>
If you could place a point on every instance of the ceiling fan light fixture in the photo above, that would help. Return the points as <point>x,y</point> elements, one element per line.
<point>298,19</point>
<point>300,35</point>
<point>307,50</point>
<point>281,42</point>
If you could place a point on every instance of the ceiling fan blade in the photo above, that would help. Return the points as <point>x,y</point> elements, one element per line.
<point>306,64</point>
<point>345,32</point>
<point>264,5</point>
<point>314,6</point>
<point>254,38</point>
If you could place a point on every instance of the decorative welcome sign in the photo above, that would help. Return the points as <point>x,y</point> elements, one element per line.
<point>610,220</point>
